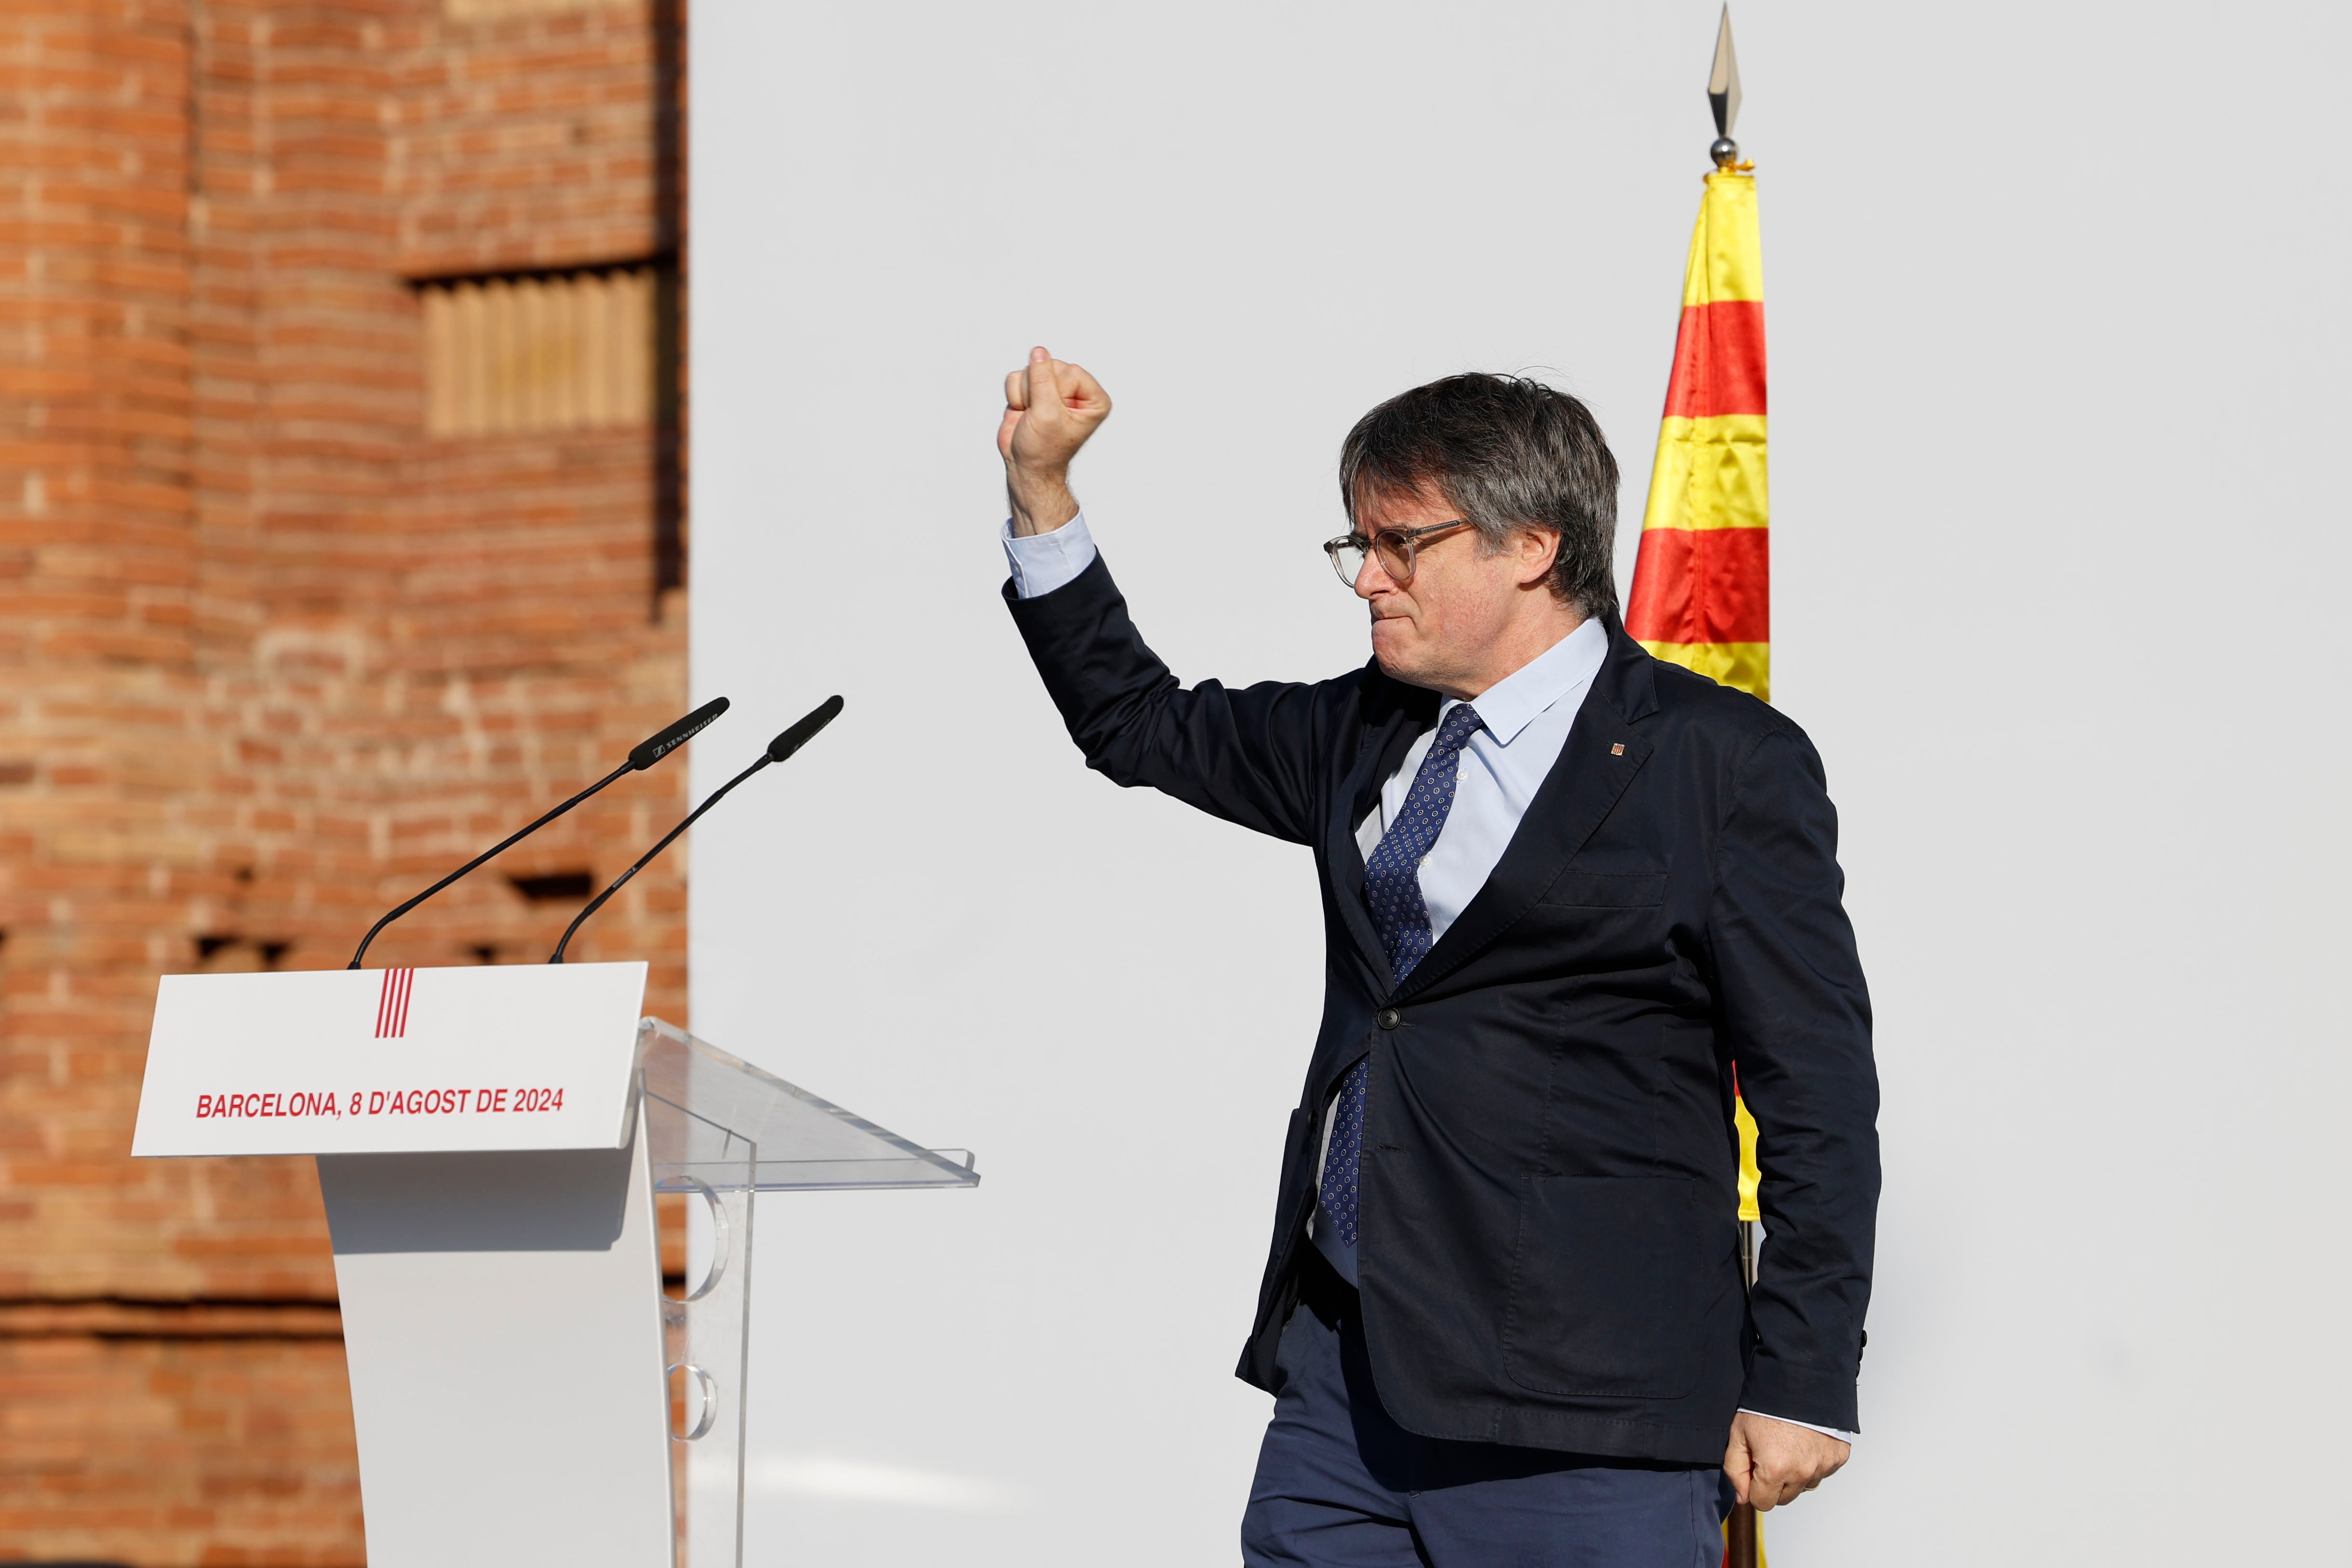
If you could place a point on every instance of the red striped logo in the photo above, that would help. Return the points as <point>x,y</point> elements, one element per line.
<point>392,1006</point>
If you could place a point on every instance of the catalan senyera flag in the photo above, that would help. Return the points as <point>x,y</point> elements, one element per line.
<point>1703,583</point>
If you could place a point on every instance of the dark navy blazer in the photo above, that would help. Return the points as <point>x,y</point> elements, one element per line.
<point>1547,1249</point>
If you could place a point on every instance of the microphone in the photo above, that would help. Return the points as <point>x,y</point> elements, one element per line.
<point>779,749</point>
<point>641,756</point>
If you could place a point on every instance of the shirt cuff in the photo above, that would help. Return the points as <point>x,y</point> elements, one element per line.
<point>1044,562</point>
<point>1808,1426</point>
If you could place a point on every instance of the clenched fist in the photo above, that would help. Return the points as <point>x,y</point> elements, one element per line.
<point>1773,1462</point>
<point>1050,409</point>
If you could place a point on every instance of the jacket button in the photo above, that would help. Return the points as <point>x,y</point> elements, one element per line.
<point>1390,1018</point>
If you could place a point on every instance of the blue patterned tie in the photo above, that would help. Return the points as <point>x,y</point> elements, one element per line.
<point>1393,882</point>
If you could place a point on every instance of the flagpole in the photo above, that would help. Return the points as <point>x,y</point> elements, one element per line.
<point>1741,1538</point>
<point>1701,594</point>
<point>1742,1545</point>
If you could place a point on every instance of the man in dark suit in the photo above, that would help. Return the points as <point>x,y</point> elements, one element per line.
<point>1569,891</point>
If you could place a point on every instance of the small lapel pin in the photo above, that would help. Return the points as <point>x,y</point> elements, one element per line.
<point>1618,749</point>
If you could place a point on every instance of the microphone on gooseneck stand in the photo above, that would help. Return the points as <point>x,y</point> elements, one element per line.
<point>641,756</point>
<point>780,748</point>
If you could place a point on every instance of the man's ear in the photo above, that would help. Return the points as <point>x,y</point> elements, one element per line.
<point>1538,550</point>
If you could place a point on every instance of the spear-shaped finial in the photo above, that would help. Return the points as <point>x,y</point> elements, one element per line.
<point>1723,95</point>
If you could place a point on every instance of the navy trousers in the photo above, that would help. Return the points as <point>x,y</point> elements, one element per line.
<point>1339,1485</point>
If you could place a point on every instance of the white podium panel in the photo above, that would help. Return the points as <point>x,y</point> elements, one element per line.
<point>502,1324</point>
<point>378,1060</point>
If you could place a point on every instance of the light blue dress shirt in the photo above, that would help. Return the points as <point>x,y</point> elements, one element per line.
<point>1527,717</point>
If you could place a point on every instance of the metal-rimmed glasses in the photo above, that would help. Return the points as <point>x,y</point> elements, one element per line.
<point>1395,548</point>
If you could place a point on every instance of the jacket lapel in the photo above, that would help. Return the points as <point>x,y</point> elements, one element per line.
<point>1394,717</point>
<point>1577,795</point>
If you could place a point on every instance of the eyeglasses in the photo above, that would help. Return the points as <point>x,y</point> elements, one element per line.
<point>1395,548</point>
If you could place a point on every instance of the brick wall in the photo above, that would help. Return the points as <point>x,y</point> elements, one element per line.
<point>201,1440</point>
<point>275,657</point>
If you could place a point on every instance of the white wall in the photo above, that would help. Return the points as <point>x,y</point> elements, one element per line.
<point>2058,529</point>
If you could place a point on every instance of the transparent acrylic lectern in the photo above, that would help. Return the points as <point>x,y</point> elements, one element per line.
<point>718,1130</point>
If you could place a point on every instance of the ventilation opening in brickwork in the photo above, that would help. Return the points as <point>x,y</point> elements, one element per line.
<point>512,353</point>
<point>554,885</point>
<point>498,10</point>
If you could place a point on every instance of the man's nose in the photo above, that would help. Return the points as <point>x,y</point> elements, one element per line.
<point>1372,577</point>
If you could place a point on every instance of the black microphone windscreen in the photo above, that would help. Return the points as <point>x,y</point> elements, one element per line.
<point>654,747</point>
<point>793,740</point>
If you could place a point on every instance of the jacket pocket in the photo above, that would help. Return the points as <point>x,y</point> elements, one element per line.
<point>1610,1284</point>
<point>1607,890</point>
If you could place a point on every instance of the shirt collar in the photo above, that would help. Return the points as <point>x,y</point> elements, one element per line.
<point>1511,704</point>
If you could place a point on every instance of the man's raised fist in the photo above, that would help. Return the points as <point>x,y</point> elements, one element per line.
<point>1050,410</point>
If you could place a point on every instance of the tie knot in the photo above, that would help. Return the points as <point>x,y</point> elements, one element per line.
<point>1459,726</point>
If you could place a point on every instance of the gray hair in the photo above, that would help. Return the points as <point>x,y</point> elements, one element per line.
<point>1507,453</point>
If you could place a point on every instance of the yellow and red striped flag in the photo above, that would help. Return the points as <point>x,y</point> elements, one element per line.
<point>1701,592</point>
<point>1703,583</point>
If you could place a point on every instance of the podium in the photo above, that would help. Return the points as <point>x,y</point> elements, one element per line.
<point>490,1143</point>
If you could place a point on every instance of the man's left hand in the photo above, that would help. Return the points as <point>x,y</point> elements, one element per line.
<point>1772,1462</point>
